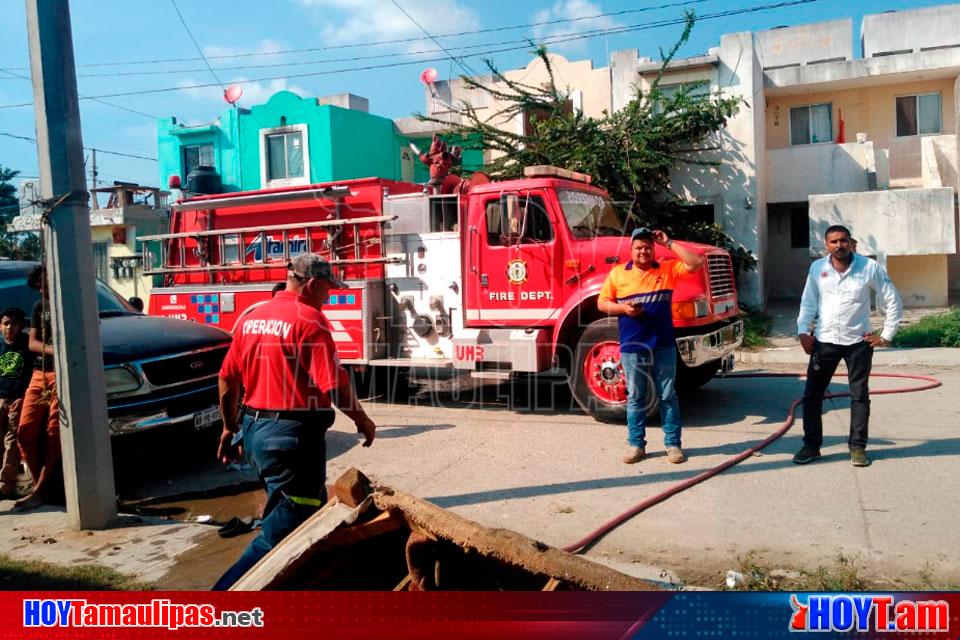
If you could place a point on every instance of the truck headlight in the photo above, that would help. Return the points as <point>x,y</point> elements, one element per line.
<point>702,308</point>
<point>120,380</point>
<point>691,310</point>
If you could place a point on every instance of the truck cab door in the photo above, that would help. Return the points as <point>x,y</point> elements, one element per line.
<point>517,264</point>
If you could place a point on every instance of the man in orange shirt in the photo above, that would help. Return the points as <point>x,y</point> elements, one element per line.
<point>640,293</point>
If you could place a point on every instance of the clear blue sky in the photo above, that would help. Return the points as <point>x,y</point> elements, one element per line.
<point>111,31</point>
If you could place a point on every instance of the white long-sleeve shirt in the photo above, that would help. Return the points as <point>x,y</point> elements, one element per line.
<point>841,301</point>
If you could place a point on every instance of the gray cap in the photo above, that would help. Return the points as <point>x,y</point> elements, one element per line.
<point>310,265</point>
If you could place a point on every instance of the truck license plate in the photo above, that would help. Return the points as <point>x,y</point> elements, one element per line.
<point>205,418</point>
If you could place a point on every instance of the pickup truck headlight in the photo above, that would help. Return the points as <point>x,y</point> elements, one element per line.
<point>120,380</point>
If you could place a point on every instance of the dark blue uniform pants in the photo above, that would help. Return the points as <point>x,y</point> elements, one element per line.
<point>289,457</point>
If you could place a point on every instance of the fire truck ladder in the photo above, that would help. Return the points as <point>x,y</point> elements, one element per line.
<point>174,251</point>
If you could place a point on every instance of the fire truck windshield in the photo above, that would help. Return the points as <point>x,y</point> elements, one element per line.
<point>588,214</point>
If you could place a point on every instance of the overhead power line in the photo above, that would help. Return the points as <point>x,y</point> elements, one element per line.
<point>95,99</point>
<point>300,63</point>
<point>463,65</point>
<point>196,44</point>
<point>548,41</point>
<point>253,54</point>
<point>98,149</point>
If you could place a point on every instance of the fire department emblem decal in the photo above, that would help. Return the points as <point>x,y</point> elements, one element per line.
<point>517,271</point>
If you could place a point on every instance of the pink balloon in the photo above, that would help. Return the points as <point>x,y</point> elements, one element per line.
<point>428,75</point>
<point>233,93</point>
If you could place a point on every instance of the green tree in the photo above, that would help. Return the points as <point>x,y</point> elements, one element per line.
<point>9,207</point>
<point>18,246</point>
<point>630,153</point>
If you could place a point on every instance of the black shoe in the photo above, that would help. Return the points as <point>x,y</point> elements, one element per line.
<point>858,458</point>
<point>236,526</point>
<point>806,454</point>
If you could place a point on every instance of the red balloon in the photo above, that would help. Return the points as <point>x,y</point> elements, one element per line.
<point>428,76</point>
<point>232,93</point>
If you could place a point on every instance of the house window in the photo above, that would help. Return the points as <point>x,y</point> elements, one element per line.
<point>811,124</point>
<point>696,92</point>
<point>101,260</point>
<point>284,156</point>
<point>918,114</point>
<point>538,227</point>
<point>198,155</point>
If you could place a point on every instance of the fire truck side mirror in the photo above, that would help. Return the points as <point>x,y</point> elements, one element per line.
<point>511,219</point>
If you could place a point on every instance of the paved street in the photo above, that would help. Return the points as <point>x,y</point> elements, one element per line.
<point>556,476</point>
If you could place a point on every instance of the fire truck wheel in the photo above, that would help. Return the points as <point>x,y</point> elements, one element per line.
<point>692,378</point>
<point>597,380</point>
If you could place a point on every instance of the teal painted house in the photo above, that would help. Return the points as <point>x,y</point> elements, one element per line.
<point>291,140</point>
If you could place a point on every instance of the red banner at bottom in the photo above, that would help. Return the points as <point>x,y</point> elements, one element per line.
<point>466,615</point>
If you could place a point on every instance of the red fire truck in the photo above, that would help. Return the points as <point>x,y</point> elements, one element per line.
<point>493,278</point>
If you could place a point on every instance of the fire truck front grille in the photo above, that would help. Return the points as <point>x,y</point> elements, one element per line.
<point>720,271</point>
<point>185,367</point>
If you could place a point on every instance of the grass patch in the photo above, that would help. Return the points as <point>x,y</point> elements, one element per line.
<point>941,330</point>
<point>33,575</point>
<point>842,575</point>
<point>928,582</point>
<point>756,328</point>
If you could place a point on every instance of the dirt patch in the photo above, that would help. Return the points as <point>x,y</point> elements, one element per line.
<point>769,571</point>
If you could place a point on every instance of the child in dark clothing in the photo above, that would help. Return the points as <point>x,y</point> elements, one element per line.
<point>15,372</point>
<point>39,432</point>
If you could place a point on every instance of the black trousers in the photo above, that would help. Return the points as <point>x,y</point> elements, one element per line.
<point>823,364</point>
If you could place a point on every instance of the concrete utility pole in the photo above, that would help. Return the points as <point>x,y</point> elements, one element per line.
<point>87,458</point>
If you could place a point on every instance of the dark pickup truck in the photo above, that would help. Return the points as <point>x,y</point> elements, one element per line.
<point>160,372</point>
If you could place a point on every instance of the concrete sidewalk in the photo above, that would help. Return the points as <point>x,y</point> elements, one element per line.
<point>787,351</point>
<point>144,547</point>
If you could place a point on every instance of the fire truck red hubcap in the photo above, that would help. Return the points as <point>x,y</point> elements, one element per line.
<point>604,373</point>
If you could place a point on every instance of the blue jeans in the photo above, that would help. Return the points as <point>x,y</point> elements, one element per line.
<point>661,372</point>
<point>290,459</point>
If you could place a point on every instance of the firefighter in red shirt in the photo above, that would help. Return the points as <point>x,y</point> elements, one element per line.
<point>284,359</point>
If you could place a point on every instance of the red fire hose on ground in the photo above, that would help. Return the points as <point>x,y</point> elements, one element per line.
<point>610,525</point>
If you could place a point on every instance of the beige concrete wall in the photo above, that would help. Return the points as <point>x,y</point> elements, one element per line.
<point>801,171</point>
<point>870,110</point>
<point>806,43</point>
<point>910,30</point>
<point>587,85</point>
<point>939,161</point>
<point>921,280</point>
<point>889,223</point>
<point>953,262</point>
<point>956,127</point>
